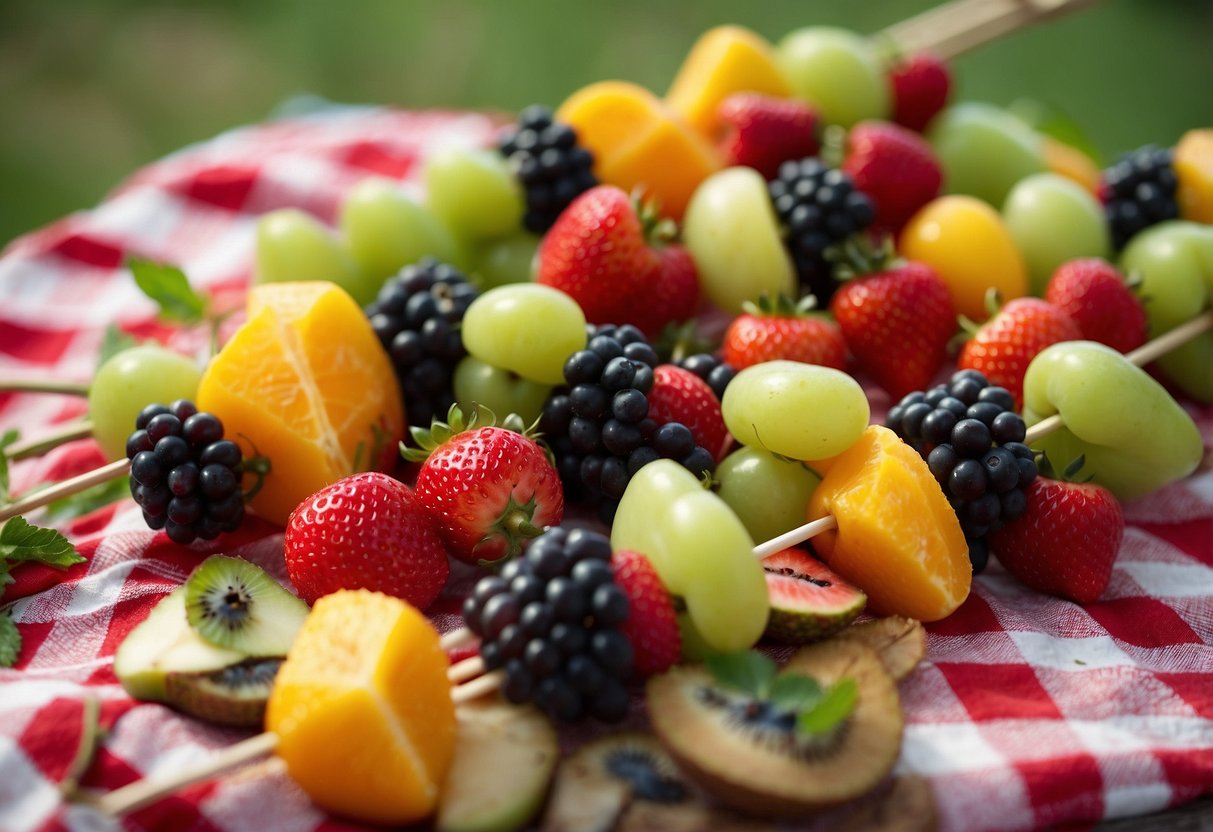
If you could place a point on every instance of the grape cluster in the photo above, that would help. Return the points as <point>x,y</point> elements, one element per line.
<point>1139,191</point>
<point>598,426</point>
<point>715,372</point>
<point>551,166</point>
<point>416,318</point>
<point>551,619</point>
<point>973,441</point>
<point>184,474</point>
<point>819,207</point>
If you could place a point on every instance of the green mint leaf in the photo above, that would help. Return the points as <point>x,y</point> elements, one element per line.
<point>113,342</point>
<point>836,705</point>
<point>19,541</point>
<point>795,692</point>
<point>169,287</point>
<point>746,670</point>
<point>89,500</point>
<point>5,577</point>
<point>10,640</point>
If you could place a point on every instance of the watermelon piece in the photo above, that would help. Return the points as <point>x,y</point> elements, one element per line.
<point>809,601</point>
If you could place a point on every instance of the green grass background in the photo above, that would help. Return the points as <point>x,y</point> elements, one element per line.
<point>92,89</point>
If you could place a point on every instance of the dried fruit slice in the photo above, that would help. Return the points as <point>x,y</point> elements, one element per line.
<point>901,643</point>
<point>745,752</point>
<point>809,601</point>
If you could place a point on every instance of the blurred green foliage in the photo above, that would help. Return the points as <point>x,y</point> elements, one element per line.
<point>92,89</point>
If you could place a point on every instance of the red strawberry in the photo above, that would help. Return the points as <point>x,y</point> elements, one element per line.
<point>598,252</point>
<point>1004,346</point>
<point>1066,541</point>
<point>920,90</point>
<point>897,324</point>
<point>1095,294</point>
<point>652,624</point>
<point>488,488</point>
<point>895,167</point>
<point>679,395</point>
<point>366,531</point>
<point>779,329</point>
<point>762,132</point>
<point>675,295</point>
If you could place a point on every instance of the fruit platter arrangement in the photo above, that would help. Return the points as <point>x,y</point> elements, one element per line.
<point>801,448</point>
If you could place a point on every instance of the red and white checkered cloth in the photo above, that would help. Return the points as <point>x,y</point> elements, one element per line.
<point>1028,712</point>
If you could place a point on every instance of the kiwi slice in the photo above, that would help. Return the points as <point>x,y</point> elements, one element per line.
<point>234,695</point>
<point>597,783</point>
<point>753,753</point>
<point>165,643</point>
<point>234,604</point>
<point>504,759</point>
<point>900,642</point>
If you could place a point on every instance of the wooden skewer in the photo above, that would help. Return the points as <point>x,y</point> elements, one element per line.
<point>962,25</point>
<point>1141,356</point>
<point>63,489</point>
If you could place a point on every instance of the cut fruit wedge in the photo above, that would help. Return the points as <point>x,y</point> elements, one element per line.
<point>306,383</point>
<point>366,672</point>
<point>234,604</point>
<point>504,759</point>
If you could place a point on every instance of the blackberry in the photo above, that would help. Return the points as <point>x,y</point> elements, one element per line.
<point>597,424</point>
<point>417,317</point>
<point>551,619</point>
<point>551,166</point>
<point>819,207</point>
<point>714,371</point>
<point>1139,191</point>
<point>184,474</point>
<point>972,439</point>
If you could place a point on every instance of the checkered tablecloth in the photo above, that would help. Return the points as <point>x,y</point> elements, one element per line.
<point>1028,712</point>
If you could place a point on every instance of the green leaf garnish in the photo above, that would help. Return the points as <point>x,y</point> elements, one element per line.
<point>10,640</point>
<point>19,541</point>
<point>794,691</point>
<point>169,287</point>
<point>746,670</point>
<point>837,703</point>
<point>89,500</point>
<point>113,342</point>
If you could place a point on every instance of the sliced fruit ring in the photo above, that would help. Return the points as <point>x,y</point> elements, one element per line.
<point>746,753</point>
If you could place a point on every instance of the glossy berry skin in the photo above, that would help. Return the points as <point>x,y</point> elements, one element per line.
<point>897,324</point>
<point>1095,295</point>
<point>762,132</point>
<point>598,253</point>
<point>921,86</point>
<point>754,337</point>
<point>488,490</point>
<point>366,531</point>
<point>1139,191</point>
<point>552,167</point>
<point>652,626</point>
<point>1066,542</point>
<point>895,167</point>
<point>679,395</point>
<point>1002,348</point>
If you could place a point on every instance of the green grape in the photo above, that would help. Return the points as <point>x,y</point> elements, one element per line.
<point>1053,219</point>
<point>836,71</point>
<point>700,549</point>
<point>129,381</point>
<point>731,232</point>
<point>293,245</point>
<point>984,150</point>
<point>801,411</point>
<point>475,193</point>
<point>1133,436</point>
<point>1175,263</point>
<point>505,260</point>
<point>768,493</point>
<point>526,328</point>
<point>385,230</point>
<point>499,390</point>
